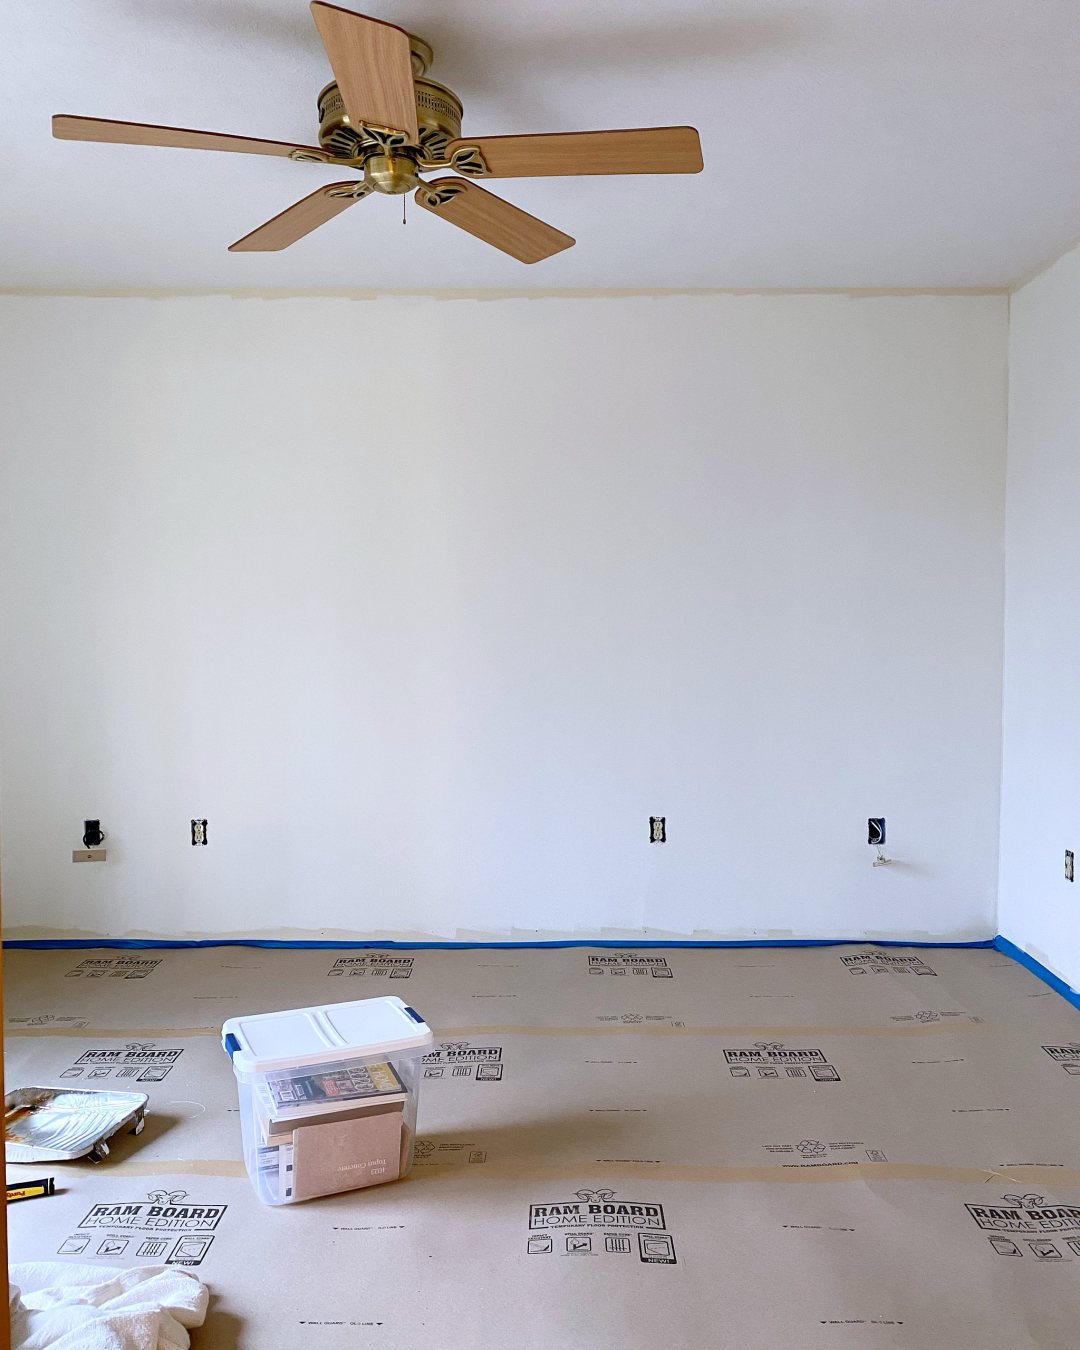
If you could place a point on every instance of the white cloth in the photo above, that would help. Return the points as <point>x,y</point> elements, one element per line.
<point>69,1307</point>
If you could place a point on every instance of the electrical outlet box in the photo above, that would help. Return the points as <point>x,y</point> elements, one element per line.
<point>657,829</point>
<point>198,831</point>
<point>875,831</point>
<point>1070,869</point>
<point>88,855</point>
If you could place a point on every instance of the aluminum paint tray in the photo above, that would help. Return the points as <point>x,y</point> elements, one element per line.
<point>44,1124</point>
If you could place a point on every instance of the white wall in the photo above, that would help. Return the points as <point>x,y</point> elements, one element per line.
<point>427,605</point>
<point>1039,909</point>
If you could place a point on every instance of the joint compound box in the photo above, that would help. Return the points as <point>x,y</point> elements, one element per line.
<point>327,1095</point>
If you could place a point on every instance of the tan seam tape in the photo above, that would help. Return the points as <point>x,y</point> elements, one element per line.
<point>203,1167</point>
<point>651,1029</point>
<point>143,1033</point>
<point>686,1172</point>
<point>774,1173</point>
<point>627,1029</point>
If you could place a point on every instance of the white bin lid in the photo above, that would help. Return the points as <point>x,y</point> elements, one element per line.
<point>371,1027</point>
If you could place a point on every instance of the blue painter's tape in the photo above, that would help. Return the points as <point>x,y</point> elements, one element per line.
<point>1055,982</point>
<point>143,944</point>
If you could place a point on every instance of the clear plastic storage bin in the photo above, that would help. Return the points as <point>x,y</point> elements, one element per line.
<point>327,1095</point>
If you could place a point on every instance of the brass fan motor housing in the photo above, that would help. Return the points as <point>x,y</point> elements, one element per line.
<point>392,174</point>
<point>438,116</point>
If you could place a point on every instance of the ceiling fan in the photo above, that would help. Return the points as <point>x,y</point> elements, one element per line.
<point>382,116</point>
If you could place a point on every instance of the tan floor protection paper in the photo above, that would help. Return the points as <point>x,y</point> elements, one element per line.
<point>836,1147</point>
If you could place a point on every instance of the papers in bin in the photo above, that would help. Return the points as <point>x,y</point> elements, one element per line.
<point>317,1094</point>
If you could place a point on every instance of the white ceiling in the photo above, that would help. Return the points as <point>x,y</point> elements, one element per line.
<point>848,143</point>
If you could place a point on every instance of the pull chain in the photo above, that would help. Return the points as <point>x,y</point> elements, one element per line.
<point>403,209</point>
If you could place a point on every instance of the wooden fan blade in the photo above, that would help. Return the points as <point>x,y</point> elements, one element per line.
<point>568,153</point>
<point>491,219</point>
<point>372,64</point>
<point>301,218</point>
<point>66,128</point>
